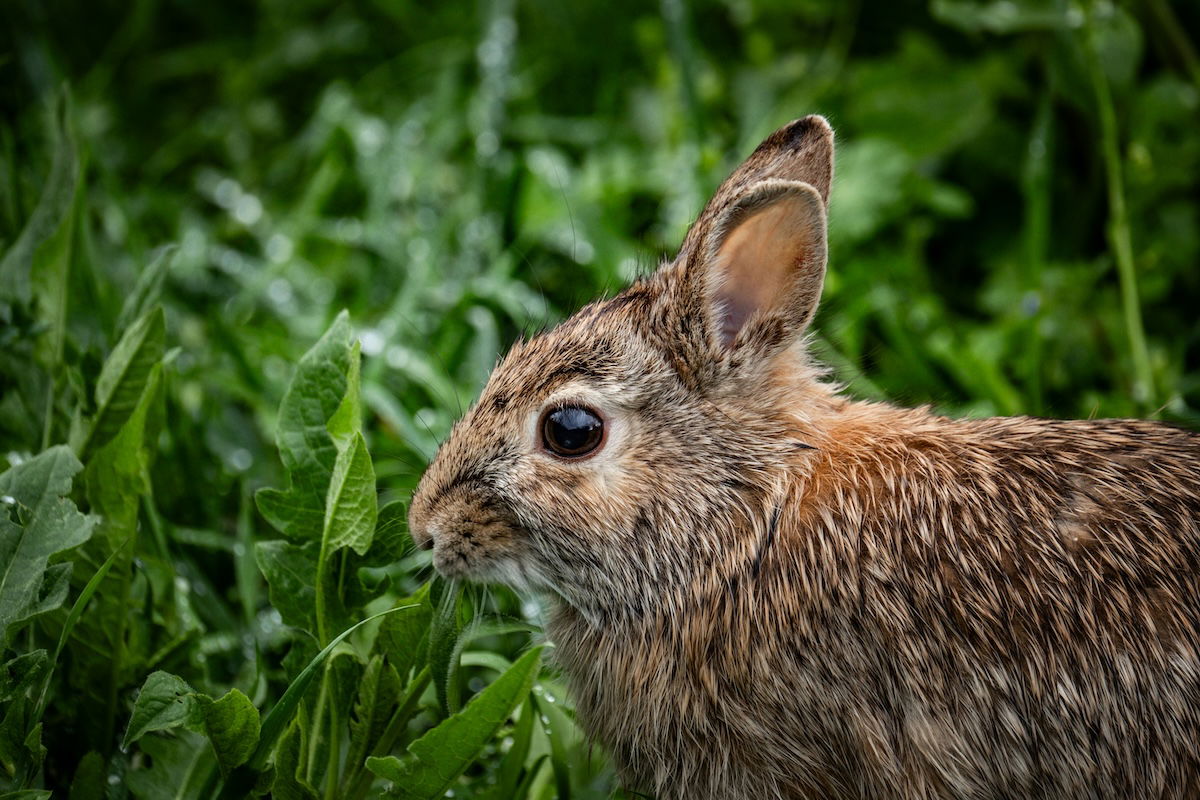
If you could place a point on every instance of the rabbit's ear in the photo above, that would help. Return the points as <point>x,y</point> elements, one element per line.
<point>802,151</point>
<point>751,268</point>
<point>762,270</point>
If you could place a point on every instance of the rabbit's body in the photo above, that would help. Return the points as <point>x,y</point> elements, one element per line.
<point>767,590</point>
<point>913,628</point>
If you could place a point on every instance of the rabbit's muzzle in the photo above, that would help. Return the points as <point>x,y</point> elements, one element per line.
<point>467,533</point>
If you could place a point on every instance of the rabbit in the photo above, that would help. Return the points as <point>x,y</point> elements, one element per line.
<point>761,588</point>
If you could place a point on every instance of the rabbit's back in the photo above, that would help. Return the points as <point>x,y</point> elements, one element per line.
<point>989,608</point>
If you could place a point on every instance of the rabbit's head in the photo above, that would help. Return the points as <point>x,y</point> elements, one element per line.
<point>638,448</point>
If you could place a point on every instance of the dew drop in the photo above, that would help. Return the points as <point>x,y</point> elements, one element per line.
<point>371,341</point>
<point>370,137</point>
<point>227,192</point>
<point>280,292</point>
<point>248,209</point>
<point>240,459</point>
<point>279,248</point>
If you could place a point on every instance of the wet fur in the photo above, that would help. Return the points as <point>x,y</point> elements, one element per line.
<point>768,590</point>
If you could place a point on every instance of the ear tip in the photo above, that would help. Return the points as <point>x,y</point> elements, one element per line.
<point>807,131</point>
<point>807,143</point>
<point>815,122</point>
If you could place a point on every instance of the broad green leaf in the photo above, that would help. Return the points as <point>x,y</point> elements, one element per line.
<point>21,750</point>
<point>401,635</point>
<point>108,640</point>
<point>36,753</point>
<point>347,420</point>
<point>49,214</point>
<point>22,756</point>
<point>345,680</point>
<point>164,702</point>
<point>49,523</point>
<point>91,778</point>
<point>378,694</point>
<point>351,504</point>
<point>308,451</point>
<point>291,511</point>
<point>148,288</point>
<point>232,725</point>
<point>22,672</point>
<point>513,766</point>
<point>26,794</point>
<point>52,266</point>
<point>288,784</point>
<point>291,574</point>
<point>368,576</point>
<point>118,471</point>
<point>123,380</point>
<point>442,753</point>
<point>178,766</point>
<point>81,601</point>
<point>53,592</point>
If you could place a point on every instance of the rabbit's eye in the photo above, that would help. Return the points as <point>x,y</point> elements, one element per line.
<point>572,431</point>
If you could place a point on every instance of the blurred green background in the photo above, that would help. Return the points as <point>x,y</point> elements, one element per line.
<point>1015,216</point>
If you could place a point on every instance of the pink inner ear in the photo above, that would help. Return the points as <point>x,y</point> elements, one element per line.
<point>759,262</point>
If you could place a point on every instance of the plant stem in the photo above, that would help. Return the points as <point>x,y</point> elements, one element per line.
<point>332,757</point>
<point>314,736</point>
<point>1118,225</point>
<point>322,570</point>
<point>49,418</point>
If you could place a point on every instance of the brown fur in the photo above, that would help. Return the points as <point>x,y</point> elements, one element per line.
<point>766,590</point>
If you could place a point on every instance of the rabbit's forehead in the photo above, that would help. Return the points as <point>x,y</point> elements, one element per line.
<point>573,353</point>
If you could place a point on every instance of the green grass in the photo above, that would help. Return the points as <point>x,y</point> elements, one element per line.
<point>191,193</point>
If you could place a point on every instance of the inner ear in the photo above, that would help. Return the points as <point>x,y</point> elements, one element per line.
<point>769,259</point>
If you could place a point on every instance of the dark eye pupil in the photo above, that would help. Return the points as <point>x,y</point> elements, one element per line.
<point>572,431</point>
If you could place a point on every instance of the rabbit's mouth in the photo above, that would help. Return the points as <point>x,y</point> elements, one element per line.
<point>455,557</point>
<point>473,539</point>
<point>468,530</point>
<point>470,551</point>
<point>449,560</point>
